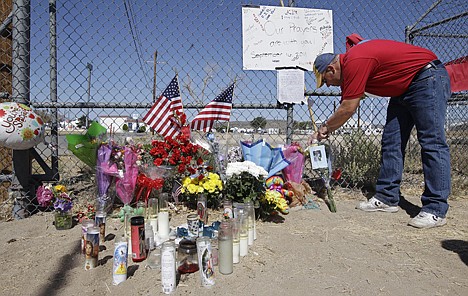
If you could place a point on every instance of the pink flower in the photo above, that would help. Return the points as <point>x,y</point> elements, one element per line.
<point>44,196</point>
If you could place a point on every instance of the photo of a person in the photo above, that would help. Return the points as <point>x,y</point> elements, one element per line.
<point>318,157</point>
<point>91,255</point>
<point>89,249</point>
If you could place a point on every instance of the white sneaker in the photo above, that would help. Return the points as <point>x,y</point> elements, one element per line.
<point>427,220</point>
<point>374,205</point>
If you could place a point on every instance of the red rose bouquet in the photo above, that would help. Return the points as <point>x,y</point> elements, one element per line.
<point>178,152</point>
<point>164,160</point>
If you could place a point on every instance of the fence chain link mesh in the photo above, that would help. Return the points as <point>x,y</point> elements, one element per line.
<point>115,57</point>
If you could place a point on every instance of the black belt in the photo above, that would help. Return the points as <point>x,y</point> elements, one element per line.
<point>432,64</point>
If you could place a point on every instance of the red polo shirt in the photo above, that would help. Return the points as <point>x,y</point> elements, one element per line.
<point>381,67</point>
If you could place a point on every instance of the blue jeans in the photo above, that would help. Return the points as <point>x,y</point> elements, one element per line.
<point>423,105</point>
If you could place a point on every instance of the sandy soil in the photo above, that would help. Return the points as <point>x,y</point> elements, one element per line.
<point>309,252</point>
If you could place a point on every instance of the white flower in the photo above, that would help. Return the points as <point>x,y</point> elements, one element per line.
<point>236,168</point>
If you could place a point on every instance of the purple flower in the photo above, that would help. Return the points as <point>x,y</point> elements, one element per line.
<point>44,196</point>
<point>63,205</point>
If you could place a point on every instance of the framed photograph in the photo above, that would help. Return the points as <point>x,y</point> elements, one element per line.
<point>318,157</point>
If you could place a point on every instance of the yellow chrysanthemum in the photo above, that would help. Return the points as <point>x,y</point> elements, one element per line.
<point>213,176</point>
<point>209,186</point>
<point>200,189</point>
<point>186,181</point>
<point>192,188</point>
<point>275,198</point>
<point>60,188</point>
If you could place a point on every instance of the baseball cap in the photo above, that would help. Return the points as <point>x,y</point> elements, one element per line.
<point>320,65</point>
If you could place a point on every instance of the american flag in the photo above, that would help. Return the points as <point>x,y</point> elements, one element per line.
<point>176,191</point>
<point>218,109</point>
<point>161,115</point>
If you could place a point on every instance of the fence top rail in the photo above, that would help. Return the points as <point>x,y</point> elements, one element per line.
<point>140,105</point>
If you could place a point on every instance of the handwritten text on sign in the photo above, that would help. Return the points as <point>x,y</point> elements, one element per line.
<point>284,37</point>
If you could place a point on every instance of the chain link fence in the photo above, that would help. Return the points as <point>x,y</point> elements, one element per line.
<point>108,60</point>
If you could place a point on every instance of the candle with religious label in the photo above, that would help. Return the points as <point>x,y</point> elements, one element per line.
<point>100,221</point>
<point>227,209</point>
<point>84,229</point>
<point>205,261</point>
<point>92,248</point>
<point>119,270</point>
<point>201,209</point>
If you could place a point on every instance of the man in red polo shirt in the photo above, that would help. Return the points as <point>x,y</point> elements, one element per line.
<point>419,87</point>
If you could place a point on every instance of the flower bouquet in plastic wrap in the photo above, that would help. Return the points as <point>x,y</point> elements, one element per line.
<point>166,161</point>
<point>105,173</point>
<point>126,181</point>
<point>85,146</point>
<point>264,155</point>
<point>300,191</point>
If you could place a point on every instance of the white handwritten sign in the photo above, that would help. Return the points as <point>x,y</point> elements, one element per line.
<point>275,37</point>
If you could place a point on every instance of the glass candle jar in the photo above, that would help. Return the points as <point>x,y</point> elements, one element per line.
<point>235,240</point>
<point>187,256</point>
<point>227,209</point>
<point>225,248</point>
<point>168,267</point>
<point>205,261</point>
<point>250,211</point>
<point>202,208</point>
<point>152,213</point>
<point>244,233</point>
<point>163,217</point>
<point>138,238</point>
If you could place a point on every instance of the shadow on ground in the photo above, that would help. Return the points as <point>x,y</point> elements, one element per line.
<point>457,246</point>
<point>411,209</point>
<point>59,278</point>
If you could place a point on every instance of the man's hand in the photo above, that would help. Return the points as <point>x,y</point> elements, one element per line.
<point>323,132</point>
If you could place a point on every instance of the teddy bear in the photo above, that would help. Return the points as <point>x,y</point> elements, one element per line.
<point>302,192</point>
<point>295,193</point>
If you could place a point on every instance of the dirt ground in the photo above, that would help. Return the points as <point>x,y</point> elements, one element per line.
<point>309,252</point>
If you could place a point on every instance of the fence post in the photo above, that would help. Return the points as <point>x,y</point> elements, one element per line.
<point>20,94</point>
<point>53,87</point>
<point>289,122</point>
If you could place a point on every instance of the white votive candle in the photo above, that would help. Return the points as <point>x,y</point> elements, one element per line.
<point>255,230</point>
<point>235,251</point>
<point>225,260</point>
<point>251,235</point>
<point>244,245</point>
<point>163,225</point>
